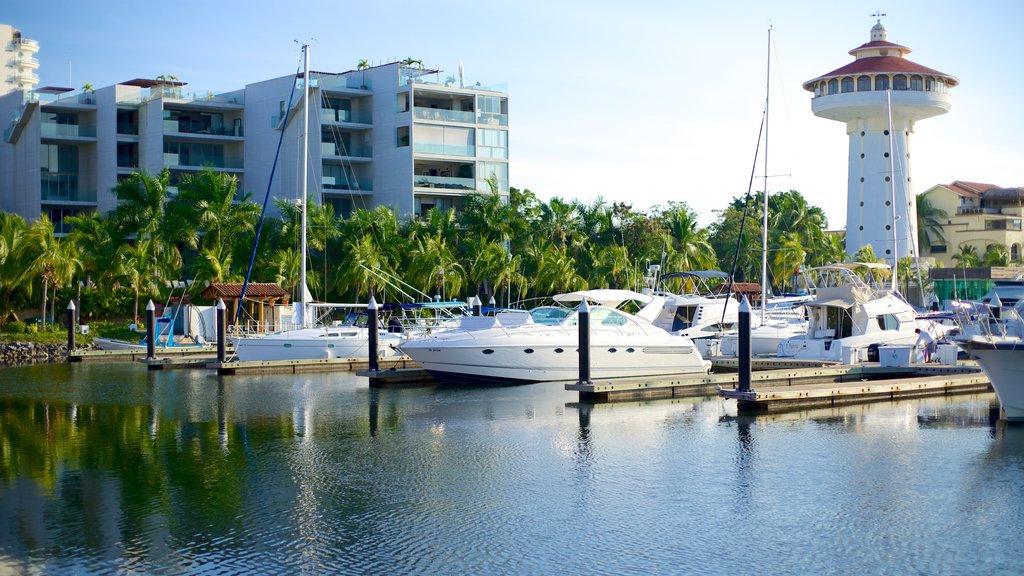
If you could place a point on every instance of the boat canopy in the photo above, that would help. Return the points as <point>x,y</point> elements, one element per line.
<point>840,296</point>
<point>604,296</point>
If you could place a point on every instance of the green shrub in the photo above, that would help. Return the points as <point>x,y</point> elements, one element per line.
<point>15,327</point>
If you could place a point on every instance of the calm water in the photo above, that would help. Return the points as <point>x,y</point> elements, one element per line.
<point>110,468</point>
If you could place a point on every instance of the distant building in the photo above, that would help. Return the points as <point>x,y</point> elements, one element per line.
<point>19,61</point>
<point>862,94</point>
<point>977,215</point>
<point>389,135</point>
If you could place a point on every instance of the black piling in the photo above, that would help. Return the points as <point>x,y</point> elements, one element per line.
<point>744,345</point>
<point>371,327</point>
<point>584,352</point>
<point>150,331</point>
<point>221,331</point>
<point>477,306</point>
<point>72,326</point>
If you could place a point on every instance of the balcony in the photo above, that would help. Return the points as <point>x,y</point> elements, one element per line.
<point>975,210</point>
<point>128,128</point>
<point>172,160</point>
<point>24,43</point>
<point>54,130</point>
<point>442,115</point>
<point>205,128</point>
<point>355,117</point>
<point>333,183</point>
<point>444,149</point>
<point>492,119</point>
<point>127,161</point>
<point>351,151</point>
<point>444,182</point>
<point>57,187</point>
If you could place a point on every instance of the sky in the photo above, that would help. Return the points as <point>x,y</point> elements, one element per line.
<point>644,102</point>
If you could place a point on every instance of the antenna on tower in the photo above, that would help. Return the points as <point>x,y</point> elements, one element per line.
<point>878,16</point>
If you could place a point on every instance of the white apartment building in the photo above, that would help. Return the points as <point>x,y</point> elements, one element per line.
<point>19,61</point>
<point>388,135</point>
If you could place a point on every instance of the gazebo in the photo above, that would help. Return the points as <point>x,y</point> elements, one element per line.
<point>258,295</point>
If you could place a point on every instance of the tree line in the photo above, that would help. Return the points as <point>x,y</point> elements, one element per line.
<point>515,250</point>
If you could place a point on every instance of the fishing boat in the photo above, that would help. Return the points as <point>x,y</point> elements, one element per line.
<point>997,341</point>
<point>542,345</point>
<point>312,339</point>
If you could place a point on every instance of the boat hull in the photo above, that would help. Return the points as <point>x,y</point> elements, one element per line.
<point>312,344</point>
<point>1003,362</point>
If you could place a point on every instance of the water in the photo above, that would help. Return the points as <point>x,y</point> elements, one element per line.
<point>110,468</point>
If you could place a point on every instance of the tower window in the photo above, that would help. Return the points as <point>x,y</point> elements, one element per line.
<point>847,85</point>
<point>899,82</point>
<point>833,86</point>
<point>881,82</point>
<point>864,84</point>
<point>916,83</point>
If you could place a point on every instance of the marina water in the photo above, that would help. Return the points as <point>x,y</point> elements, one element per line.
<point>110,468</point>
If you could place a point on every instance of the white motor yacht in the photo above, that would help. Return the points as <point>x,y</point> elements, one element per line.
<point>543,344</point>
<point>997,341</point>
<point>317,343</point>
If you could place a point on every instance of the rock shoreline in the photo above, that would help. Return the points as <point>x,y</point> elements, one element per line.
<point>29,352</point>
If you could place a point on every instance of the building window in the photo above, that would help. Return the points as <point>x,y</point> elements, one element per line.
<point>881,82</point>
<point>492,143</point>
<point>929,84</point>
<point>402,102</point>
<point>1015,253</point>
<point>864,84</point>
<point>916,83</point>
<point>899,82</point>
<point>833,86</point>
<point>402,136</point>
<point>847,85</point>
<point>939,249</point>
<point>488,171</point>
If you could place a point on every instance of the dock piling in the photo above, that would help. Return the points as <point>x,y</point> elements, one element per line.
<point>371,326</point>
<point>150,331</point>
<point>71,325</point>
<point>584,352</point>
<point>221,336</point>
<point>476,303</point>
<point>744,345</point>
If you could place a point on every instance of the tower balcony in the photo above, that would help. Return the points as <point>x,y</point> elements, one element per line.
<point>911,104</point>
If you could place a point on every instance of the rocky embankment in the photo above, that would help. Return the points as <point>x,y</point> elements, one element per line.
<point>27,352</point>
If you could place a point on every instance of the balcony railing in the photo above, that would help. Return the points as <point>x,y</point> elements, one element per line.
<point>126,161</point>
<point>24,43</point>
<point>200,161</point>
<point>51,129</point>
<point>444,149</point>
<point>353,150</point>
<point>445,182</point>
<point>191,127</point>
<point>976,210</point>
<point>356,117</point>
<point>441,115</point>
<point>129,128</point>
<point>63,187</point>
<point>338,183</point>
<point>492,119</point>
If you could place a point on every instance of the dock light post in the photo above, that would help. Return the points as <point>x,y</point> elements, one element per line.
<point>72,326</point>
<point>221,336</point>
<point>477,306</point>
<point>583,323</point>
<point>150,331</point>
<point>744,345</point>
<point>371,327</point>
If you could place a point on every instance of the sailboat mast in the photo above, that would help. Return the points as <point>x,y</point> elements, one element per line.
<point>303,316</point>
<point>892,187</point>
<point>764,223</point>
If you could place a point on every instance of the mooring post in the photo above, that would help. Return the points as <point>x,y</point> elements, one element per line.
<point>583,323</point>
<point>71,326</point>
<point>371,327</point>
<point>150,331</point>
<point>477,306</point>
<point>493,303</point>
<point>221,331</point>
<point>744,345</point>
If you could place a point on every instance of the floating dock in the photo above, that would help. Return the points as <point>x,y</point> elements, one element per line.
<point>133,355</point>
<point>816,386</point>
<point>299,366</point>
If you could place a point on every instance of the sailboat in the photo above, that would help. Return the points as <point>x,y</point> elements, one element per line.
<point>312,341</point>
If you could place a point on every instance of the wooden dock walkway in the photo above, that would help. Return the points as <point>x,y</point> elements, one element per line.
<point>300,366</point>
<point>133,355</point>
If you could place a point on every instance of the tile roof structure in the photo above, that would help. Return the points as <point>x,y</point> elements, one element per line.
<point>255,291</point>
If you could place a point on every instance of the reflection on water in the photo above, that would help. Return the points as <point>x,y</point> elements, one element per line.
<point>113,468</point>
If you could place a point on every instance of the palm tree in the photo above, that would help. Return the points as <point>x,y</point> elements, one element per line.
<point>996,255</point>
<point>929,223</point>
<point>138,264</point>
<point>54,260</point>
<point>789,257</point>
<point>686,244</point>
<point>13,271</point>
<point>99,239</point>
<point>967,257</point>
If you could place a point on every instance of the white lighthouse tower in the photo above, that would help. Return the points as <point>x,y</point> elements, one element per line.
<point>880,96</point>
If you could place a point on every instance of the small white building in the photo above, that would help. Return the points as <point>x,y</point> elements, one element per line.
<point>19,60</point>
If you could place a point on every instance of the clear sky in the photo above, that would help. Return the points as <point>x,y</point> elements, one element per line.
<point>641,101</point>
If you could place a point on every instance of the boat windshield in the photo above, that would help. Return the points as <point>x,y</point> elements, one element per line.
<point>550,315</point>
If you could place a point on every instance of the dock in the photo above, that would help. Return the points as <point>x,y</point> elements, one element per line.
<point>304,366</point>
<point>792,387</point>
<point>133,355</point>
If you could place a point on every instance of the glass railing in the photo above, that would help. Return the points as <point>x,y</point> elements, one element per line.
<point>191,127</point>
<point>440,115</point>
<point>444,149</point>
<point>128,128</point>
<point>73,130</point>
<point>25,42</point>
<point>338,183</point>
<point>355,151</point>
<point>447,182</point>
<point>125,161</point>
<point>357,117</point>
<point>63,187</point>
<point>492,119</point>
<point>200,160</point>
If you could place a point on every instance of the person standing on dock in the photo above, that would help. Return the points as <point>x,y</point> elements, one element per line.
<point>925,338</point>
